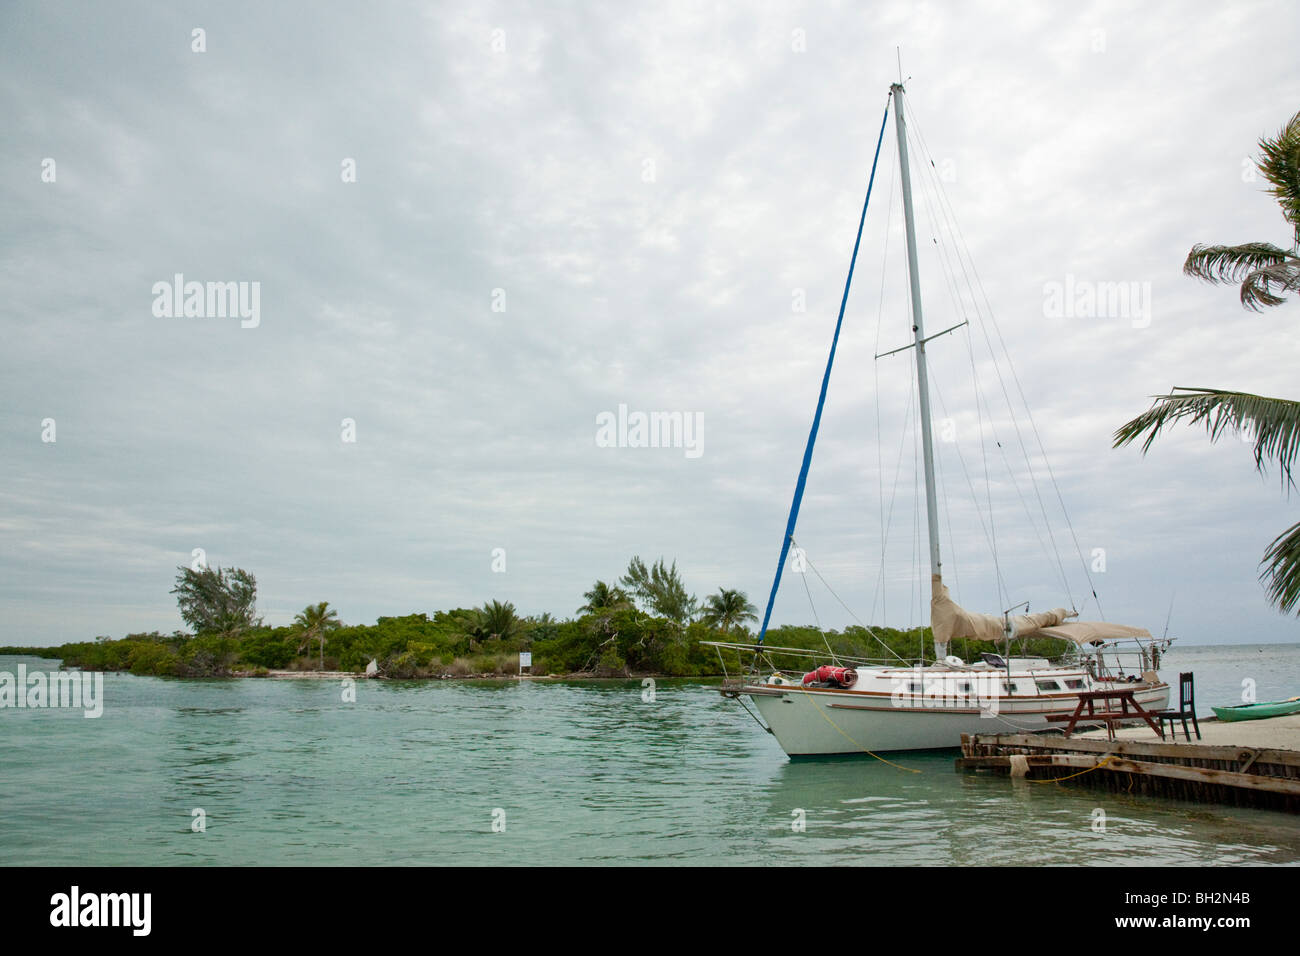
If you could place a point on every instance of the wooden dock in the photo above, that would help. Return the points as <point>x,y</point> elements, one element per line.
<point>1251,763</point>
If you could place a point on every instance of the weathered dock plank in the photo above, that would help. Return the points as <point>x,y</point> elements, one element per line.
<point>1268,761</point>
<point>1227,766</point>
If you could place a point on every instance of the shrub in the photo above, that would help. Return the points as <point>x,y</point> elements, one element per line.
<point>151,659</point>
<point>611,664</point>
<point>268,650</point>
<point>210,655</point>
<point>401,666</point>
<point>459,667</point>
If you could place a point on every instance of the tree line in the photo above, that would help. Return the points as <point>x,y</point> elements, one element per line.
<point>645,623</point>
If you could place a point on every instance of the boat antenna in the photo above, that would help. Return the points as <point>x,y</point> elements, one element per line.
<point>898,50</point>
<point>1165,633</point>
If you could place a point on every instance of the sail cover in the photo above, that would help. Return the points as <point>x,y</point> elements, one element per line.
<point>949,620</point>
<point>1096,632</point>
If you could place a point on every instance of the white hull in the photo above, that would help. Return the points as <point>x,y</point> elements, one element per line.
<point>824,721</point>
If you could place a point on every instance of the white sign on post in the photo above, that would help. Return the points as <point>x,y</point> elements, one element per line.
<point>525,660</point>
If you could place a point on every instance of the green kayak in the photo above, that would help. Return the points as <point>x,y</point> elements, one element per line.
<point>1275,708</point>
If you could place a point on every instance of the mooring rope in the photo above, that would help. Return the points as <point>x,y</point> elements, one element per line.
<point>843,733</point>
<point>1104,760</point>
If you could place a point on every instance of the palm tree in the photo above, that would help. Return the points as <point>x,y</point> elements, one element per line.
<point>728,608</point>
<point>603,597</point>
<point>494,620</point>
<point>1262,269</point>
<point>315,622</point>
<point>1264,272</point>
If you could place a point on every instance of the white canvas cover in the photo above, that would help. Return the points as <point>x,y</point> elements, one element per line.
<point>1096,632</point>
<point>949,620</point>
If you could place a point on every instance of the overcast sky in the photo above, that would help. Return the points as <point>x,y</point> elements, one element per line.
<point>561,208</point>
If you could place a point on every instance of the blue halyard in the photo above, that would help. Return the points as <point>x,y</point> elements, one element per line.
<point>821,400</point>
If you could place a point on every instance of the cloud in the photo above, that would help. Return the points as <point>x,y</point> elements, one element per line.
<point>647,192</point>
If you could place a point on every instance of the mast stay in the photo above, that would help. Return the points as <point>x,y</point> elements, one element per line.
<point>821,400</point>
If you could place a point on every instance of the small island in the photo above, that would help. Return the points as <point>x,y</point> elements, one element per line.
<point>647,624</point>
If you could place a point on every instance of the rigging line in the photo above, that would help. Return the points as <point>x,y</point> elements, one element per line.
<point>930,178</point>
<point>947,514</point>
<point>817,620</point>
<point>984,456</point>
<point>1029,516</point>
<point>1020,390</point>
<point>971,485</point>
<point>936,229</point>
<point>866,627</point>
<point>991,530</point>
<point>932,195</point>
<point>737,697</point>
<point>954,230</point>
<point>821,400</point>
<point>916,523</point>
<point>875,370</point>
<point>753,715</point>
<point>930,183</point>
<point>960,307</point>
<point>1053,552</point>
<point>1024,504</point>
<point>893,497</point>
<point>884,259</point>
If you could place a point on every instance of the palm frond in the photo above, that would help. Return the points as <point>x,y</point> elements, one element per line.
<point>1231,264</point>
<point>1257,288</point>
<point>1281,574</point>
<point>1275,422</point>
<point>1280,165</point>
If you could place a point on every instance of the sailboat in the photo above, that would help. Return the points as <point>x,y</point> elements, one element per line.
<point>858,705</point>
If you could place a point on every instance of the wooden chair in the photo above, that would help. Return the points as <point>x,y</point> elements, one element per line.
<point>1186,708</point>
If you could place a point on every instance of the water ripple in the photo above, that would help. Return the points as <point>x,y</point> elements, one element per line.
<point>585,772</point>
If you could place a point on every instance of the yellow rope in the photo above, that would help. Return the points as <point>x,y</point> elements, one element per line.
<point>1104,760</point>
<point>822,710</point>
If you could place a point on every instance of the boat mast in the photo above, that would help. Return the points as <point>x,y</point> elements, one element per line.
<point>918,332</point>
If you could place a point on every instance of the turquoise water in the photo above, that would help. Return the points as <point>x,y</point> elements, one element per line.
<point>585,772</point>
